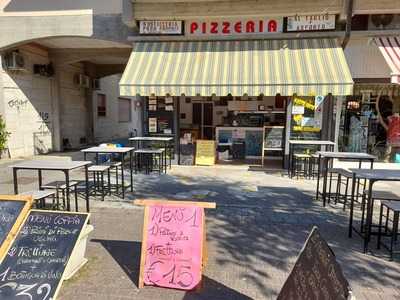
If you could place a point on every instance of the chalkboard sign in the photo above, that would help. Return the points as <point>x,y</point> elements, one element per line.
<point>316,274</point>
<point>173,244</point>
<point>274,137</point>
<point>13,210</point>
<point>35,264</point>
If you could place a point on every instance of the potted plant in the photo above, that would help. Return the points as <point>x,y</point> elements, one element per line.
<point>3,136</point>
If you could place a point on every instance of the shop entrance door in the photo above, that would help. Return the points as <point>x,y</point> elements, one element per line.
<point>203,117</point>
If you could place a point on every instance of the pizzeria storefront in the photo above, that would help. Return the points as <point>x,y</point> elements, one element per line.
<point>219,83</point>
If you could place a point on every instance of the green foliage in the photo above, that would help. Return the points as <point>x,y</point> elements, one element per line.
<point>3,134</point>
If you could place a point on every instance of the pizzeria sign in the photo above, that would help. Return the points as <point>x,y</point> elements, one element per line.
<point>233,27</point>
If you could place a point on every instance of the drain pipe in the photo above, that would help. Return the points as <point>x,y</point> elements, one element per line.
<point>349,15</point>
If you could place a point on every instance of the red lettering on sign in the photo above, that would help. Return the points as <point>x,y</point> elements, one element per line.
<point>250,26</point>
<point>238,27</point>
<point>204,27</point>
<point>193,27</point>
<point>261,26</point>
<point>225,27</point>
<point>214,27</point>
<point>272,26</point>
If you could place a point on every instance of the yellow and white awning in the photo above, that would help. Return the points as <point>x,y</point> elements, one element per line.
<point>269,67</point>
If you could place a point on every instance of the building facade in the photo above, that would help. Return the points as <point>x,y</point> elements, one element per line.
<point>51,103</point>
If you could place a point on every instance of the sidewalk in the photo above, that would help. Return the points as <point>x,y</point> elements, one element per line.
<point>254,236</point>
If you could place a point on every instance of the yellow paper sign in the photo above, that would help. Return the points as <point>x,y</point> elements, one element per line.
<point>205,152</point>
<point>304,102</point>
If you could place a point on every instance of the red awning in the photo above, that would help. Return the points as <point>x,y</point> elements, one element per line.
<point>390,49</point>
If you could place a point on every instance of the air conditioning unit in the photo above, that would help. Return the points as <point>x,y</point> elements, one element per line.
<point>381,21</point>
<point>96,84</point>
<point>14,61</point>
<point>43,70</point>
<point>82,81</point>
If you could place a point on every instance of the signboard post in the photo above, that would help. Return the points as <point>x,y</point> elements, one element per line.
<point>35,264</point>
<point>13,210</point>
<point>174,243</point>
<point>205,152</point>
<point>316,273</point>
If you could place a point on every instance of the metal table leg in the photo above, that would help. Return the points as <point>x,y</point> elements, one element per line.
<point>130,169</point>
<point>87,188</point>
<point>353,188</point>
<point>67,190</point>
<point>318,175</point>
<point>15,179</point>
<point>122,176</point>
<point>325,174</point>
<point>369,217</point>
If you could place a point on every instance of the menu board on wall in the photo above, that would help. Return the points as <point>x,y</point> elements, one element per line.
<point>13,210</point>
<point>274,137</point>
<point>173,245</point>
<point>35,264</point>
<point>316,273</point>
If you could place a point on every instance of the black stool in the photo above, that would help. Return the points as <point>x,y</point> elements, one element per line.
<point>301,164</point>
<point>394,207</point>
<point>98,179</point>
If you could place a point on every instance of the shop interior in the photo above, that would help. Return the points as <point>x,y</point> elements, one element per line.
<point>245,129</point>
<point>369,121</point>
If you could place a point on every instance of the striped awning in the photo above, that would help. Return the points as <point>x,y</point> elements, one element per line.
<point>269,67</point>
<point>390,49</point>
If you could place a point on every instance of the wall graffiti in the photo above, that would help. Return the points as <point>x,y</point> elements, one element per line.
<point>18,103</point>
<point>44,122</point>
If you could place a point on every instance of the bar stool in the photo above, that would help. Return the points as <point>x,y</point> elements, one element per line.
<point>40,198</point>
<point>376,195</point>
<point>61,186</point>
<point>346,174</point>
<point>114,165</point>
<point>301,164</point>
<point>98,179</point>
<point>394,207</point>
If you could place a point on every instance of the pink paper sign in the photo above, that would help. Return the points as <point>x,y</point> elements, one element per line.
<point>174,247</point>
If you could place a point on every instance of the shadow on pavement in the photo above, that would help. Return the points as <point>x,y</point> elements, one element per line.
<point>126,254</point>
<point>214,290</point>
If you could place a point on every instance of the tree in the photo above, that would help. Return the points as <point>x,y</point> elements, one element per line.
<point>4,134</point>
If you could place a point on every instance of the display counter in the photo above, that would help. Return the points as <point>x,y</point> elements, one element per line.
<point>251,136</point>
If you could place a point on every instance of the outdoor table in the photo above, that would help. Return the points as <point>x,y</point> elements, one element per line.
<point>328,144</point>
<point>59,165</point>
<point>329,156</point>
<point>163,139</point>
<point>372,175</point>
<point>114,150</point>
<point>160,152</point>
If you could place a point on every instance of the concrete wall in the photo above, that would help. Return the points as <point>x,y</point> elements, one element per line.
<point>150,9</point>
<point>73,106</point>
<point>100,20</point>
<point>109,128</point>
<point>98,7</point>
<point>181,9</point>
<point>27,105</point>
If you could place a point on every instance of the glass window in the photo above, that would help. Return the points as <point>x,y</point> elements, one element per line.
<point>101,105</point>
<point>124,110</point>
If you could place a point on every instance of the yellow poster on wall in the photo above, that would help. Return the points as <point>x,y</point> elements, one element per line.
<point>205,152</point>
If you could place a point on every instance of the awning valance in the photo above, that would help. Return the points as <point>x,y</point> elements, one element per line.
<point>390,49</point>
<point>269,67</point>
